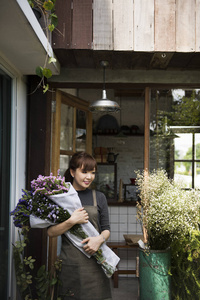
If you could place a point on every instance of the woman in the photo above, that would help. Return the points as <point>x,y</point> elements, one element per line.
<point>81,276</point>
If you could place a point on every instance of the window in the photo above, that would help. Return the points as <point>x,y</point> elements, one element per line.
<point>175,134</point>
<point>187,155</point>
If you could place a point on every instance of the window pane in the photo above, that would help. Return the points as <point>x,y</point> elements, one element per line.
<point>183,173</point>
<point>66,128</point>
<point>197,175</point>
<point>104,180</point>
<point>80,139</point>
<point>183,146</point>
<point>80,130</point>
<point>197,146</point>
<point>64,163</point>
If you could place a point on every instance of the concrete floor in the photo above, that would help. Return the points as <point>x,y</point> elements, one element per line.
<point>127,289</point>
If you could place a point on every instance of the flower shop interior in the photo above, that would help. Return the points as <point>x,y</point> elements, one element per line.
<point>151,54</point>
<point>151,128</point>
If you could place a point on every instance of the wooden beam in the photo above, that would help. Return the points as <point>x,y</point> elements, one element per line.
<point>146,128</point>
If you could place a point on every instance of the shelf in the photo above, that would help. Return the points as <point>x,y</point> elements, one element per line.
<point>124,203</point>
<point>115,134</point>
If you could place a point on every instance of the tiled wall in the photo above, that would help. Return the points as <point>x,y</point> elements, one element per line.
<point>123,221</point>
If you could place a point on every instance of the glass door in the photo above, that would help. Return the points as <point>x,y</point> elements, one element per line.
<point>71,132</point>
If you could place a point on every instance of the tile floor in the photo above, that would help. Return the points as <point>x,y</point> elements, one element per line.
<point>127,289</point>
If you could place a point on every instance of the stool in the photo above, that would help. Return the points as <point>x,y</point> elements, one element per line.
<point>122,245</point>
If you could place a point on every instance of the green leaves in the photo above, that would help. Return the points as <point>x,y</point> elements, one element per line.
<point>43,72</point>
<point>39,71</point>
<point>51,27</point>
<point>29,262</point>
<point>48,9</point>
<point>51,60</point>
<point>47,73</point>
<point>48,5</point>
<point>186,267</point>
<point>45,282</point>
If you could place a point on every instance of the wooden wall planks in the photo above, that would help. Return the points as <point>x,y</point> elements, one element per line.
<point>62,36</point>
<point>185,25</point>
<point>143,25</point>
<point>102,25</point>
<point>123,25</point>
<point>131,25</point>
<point>82,24</point>
<point>165,36</point>
<point>197,37</point>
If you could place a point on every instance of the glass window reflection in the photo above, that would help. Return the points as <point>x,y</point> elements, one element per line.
<point>66,127</point>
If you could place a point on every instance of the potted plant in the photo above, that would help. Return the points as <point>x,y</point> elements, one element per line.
<point>168,214</point>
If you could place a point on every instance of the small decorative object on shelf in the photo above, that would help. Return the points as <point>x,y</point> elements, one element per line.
<point>100,154</point>
<point>132,180</point>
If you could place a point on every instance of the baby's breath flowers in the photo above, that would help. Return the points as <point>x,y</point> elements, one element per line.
<point>167,212</point>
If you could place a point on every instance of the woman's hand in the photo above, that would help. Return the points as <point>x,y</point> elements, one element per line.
<point>92,244</point>
<point>79,216</point>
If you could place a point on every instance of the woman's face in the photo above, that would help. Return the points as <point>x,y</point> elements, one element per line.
<point>82,179</point>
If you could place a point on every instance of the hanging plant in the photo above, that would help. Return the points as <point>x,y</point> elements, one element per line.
<point>47,10</point>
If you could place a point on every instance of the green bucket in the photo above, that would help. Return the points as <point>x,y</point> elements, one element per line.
<point>155,282</point>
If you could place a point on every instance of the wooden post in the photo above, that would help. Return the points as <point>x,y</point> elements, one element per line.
<point>55,162</point>
<point>146,140</point>
<point>146,128</point>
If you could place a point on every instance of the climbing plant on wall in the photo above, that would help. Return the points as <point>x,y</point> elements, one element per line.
<point>47,10</point>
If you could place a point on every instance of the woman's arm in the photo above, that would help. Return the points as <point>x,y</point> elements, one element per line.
<point>79,216</point>
<point>105,235</point>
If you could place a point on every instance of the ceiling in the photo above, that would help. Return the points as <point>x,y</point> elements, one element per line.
<point>128,60</point>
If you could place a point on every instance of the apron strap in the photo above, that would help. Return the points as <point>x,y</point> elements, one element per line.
<point>94,198</point>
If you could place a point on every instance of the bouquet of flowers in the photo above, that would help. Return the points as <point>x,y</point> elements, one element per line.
<point>51,201</point>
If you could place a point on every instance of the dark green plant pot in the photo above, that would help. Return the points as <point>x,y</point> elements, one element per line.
<point>155,282</point>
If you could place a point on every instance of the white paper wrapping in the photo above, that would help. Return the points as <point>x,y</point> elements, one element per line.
<point>70,201</point>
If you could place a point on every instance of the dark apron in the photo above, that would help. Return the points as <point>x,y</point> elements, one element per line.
<point>82,277</point>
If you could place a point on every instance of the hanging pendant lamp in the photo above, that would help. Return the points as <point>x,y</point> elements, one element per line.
<point>104,104</point>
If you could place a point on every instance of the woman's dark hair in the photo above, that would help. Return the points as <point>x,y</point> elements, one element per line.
<point>80,160</point>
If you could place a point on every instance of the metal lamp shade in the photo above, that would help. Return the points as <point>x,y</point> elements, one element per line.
<point>104,105</point>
